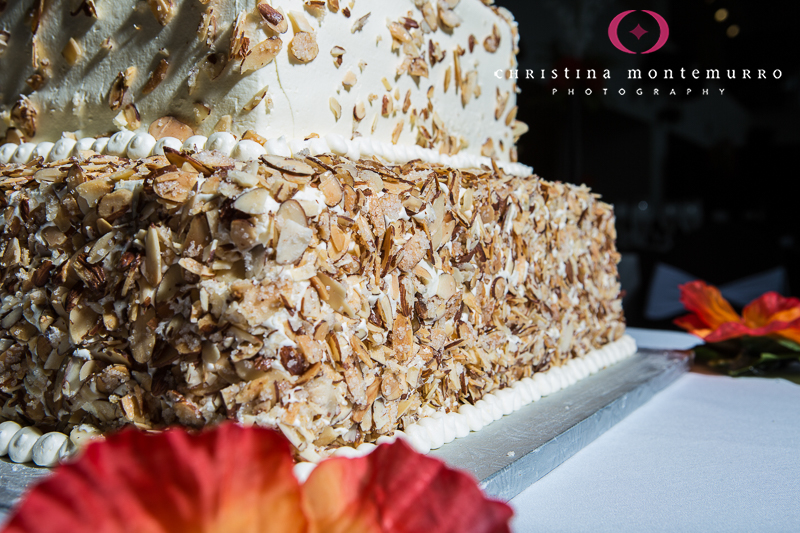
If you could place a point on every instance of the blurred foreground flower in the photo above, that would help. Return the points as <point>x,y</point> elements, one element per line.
<point>239,480</point>
<point>764,339</point>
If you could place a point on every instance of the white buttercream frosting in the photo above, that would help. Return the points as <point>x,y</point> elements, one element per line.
<point>285,96</point>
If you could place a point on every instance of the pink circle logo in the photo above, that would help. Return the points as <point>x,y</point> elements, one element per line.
<point>638,31</point>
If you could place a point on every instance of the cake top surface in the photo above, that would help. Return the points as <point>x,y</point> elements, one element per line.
<point>401,72</point>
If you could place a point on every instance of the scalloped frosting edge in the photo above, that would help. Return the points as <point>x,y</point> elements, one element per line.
<point>140,145</point>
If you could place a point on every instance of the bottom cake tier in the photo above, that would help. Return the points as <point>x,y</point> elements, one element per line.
<point>335,300</point>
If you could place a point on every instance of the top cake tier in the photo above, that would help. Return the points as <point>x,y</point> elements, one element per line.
<point>399,71</point>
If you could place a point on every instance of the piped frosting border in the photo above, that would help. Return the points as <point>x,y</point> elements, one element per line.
<point>140,145</point>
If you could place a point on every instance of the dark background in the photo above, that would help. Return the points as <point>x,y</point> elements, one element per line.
<point>703,186</point>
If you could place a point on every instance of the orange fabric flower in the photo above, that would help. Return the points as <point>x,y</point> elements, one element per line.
<point>239,480</point>
<point>714,320</point>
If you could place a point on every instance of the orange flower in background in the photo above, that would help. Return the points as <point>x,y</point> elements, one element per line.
<point>714,320</point>
<point>239,480</point>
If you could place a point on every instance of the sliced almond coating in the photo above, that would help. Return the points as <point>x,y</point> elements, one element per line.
<point>224,124</point>
<point>252,104</point>
<point>398,129</point>
<point>292,243</point>
<point>81,321</point>
<point>152,260</point>
<point>156,77</point>
<point>304,46</point>
<point>255,202</point>
<point>415,249</point>
<point>399,32</point>
<point>402,338</point>
<point>24,116</point>
<point>349,79</point>
<point>418,67</point>
<point>359,111</point>
<point>386,106</point>
<point>115,204</point>
<point>336,107</point>
<point>72,52</point>
<point>243,234</point>
<point>447,16</point>
<point>291,211</point>
<point>492,42</point>
<point>430,14</point>
<point>163,10</point>
<point>331,188</point>
<point>143,337</point>
<point>170,127</point>
<point>336,294</point>
<point>518,128</point>
<point>300,22</point>
<point>175,186</point>
<point>275,19</point>
<point>359,24</point>
<point>512,115</point>
<point>502,100</point>
<point>94,190</point>
<point>287,164</point>
<point>119,95</point>
<point>262,54</point>
<point>179,159</point>
<point>337,51</point>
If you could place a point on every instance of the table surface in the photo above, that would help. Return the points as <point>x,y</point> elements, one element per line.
<point>708,453</point>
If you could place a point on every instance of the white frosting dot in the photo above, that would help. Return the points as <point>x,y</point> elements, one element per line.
<point>435,432</point>
<point>366,448</point>
<point>247,150</point>
<point>168,142</point>
<point>118,143</point>
<point>278,147</point>
<point>62,149</point>
<point>45,451</point>
<point>195,143</point>
<point>303,470</point>
<point>42,150</point>
<point>346,451</point>
<point>6,152</point>
<point>141,145</point>
<point>99,145</point>
<point>23,153</point>
<point>222,142</point>
<point>20,449</point>
<point>7,431</point>
<point>83,145</point>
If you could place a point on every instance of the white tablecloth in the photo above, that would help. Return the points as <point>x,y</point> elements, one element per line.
<point>709,453</point>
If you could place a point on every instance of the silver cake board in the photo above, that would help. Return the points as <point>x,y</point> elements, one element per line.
<point>510,454</point>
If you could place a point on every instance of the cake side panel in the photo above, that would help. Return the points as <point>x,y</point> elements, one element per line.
<point>336,300</point>
<point>379,71</point>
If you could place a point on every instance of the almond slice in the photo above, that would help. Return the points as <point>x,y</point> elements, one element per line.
<point>293,242</point>
<point>337,295</point>
<point>331,188</point>
<point>262,54</point>
<point>287,164</point>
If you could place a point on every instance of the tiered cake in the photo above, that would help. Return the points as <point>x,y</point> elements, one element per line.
<point>309,217</point>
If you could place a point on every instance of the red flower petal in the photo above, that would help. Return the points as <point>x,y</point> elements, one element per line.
<point>396,490</point>
<point>230,479</point>
<point>707,302</point>
<point>771,307</point>
<point>693,324</point>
